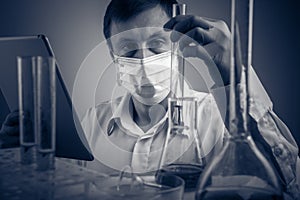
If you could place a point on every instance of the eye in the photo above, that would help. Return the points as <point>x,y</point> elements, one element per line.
<point>129,46</point>
<point>158,45</point>
<point>127,49</point>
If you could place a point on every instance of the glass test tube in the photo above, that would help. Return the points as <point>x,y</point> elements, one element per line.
<point>26,71</point>
<point>177,9</point>
<point>45,106</point>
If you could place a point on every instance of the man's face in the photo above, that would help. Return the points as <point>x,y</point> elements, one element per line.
<point>141,43</point>
<point>141,37</point>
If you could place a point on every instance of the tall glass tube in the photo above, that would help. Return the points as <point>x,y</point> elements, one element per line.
<point>240,171</point>
<point>178,63</point>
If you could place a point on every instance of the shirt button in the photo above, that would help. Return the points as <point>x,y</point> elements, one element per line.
<point>278,151</point>
<point>110,127</point>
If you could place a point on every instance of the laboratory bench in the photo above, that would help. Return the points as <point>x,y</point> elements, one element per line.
<point>69,180</point>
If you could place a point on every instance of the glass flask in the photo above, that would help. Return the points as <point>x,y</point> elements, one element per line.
<point>240,171</point>
<point>128,185</point>
<point>181,155</point>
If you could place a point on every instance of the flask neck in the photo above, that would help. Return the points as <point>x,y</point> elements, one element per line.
<point>241,56</point>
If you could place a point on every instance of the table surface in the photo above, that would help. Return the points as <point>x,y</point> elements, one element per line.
<point>67,181</point>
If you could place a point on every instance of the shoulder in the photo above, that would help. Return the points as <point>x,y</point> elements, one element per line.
<point>97,117</point>
<point>105,108</point>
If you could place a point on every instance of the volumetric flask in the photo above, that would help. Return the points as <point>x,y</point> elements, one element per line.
<point>240,171</point>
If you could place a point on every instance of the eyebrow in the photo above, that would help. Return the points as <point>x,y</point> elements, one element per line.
<point>154,35</point>
<point>159,34</point>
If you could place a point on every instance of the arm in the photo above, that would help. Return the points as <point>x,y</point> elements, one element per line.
<point>272,136</point>
<point>9,132</point>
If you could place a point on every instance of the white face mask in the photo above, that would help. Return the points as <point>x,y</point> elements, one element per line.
<point>147,79</point>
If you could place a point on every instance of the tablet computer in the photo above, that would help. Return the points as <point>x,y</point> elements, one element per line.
<point>70,138</point>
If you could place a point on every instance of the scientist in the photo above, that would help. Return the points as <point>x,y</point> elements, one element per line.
<point>130,130</point>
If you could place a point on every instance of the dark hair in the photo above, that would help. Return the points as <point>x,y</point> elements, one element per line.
<point>123,10</point>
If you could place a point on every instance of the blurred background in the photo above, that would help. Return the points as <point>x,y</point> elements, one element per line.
<point>74,28</point>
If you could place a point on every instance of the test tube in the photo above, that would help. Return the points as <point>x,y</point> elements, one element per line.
<point>177,9</point>
<point>45,110</point>
<point>26,71</point>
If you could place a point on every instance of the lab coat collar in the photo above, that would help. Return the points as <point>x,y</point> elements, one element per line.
<point>117,112</point>
<point>122,116</point>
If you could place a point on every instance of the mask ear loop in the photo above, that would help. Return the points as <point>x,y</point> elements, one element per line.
<point>117,66</point>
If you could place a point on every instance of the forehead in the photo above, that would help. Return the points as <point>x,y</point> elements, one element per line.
<point>152,20</point>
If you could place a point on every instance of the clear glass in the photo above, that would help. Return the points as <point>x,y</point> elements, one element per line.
<point>182,154</point>
<point>240,171</point>
<point>131,186</point>
<point>177,60</point>
<point>45,106</point>
<point>178,9</point>
<point>26,70</point>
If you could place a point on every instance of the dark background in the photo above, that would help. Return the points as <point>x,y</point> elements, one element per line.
<point>74,28</point>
